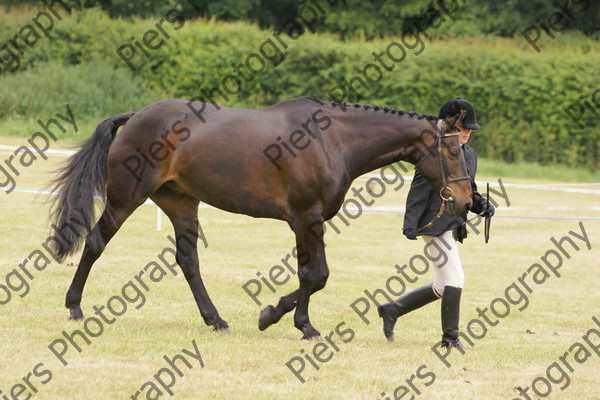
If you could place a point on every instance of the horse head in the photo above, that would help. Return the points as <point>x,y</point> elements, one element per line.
<point>443,165</point>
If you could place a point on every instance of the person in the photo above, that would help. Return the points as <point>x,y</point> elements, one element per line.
<point>422,206</point>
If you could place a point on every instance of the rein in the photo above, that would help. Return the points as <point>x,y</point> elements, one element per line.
<point>445,179</point>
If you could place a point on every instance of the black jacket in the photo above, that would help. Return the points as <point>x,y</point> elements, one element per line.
<point>423,203</point>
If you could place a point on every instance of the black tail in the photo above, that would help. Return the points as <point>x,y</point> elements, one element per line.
<point>79,182</point>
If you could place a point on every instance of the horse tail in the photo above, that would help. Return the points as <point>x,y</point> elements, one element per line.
<point>80,180</point>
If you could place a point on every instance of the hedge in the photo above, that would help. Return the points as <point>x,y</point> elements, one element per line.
<point>520,95</point>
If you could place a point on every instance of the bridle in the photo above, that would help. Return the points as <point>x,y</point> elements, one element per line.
<point>443,167</point>
<point>445,175</point>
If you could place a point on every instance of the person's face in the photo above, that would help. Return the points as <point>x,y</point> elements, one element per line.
<point>464,135</point>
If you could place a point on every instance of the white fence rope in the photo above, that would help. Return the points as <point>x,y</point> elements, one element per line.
<point>561,187</point>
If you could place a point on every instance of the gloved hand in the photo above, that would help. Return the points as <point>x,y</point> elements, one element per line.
<point>409,233</point>
<point>489,210</point>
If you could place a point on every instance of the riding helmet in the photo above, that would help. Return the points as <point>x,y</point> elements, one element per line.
<point>453,107</point>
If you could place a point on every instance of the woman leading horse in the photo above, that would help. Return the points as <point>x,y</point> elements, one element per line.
<point>293,161</point>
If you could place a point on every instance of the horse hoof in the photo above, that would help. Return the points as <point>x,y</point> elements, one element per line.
<point>312,334</point>
<point>220,325</point>
<point>265,318</point>
<point>75,313</point>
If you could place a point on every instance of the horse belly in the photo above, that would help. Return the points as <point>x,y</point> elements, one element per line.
<point>235,183</point>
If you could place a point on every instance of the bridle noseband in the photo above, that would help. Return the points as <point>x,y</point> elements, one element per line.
<point>445,180</point>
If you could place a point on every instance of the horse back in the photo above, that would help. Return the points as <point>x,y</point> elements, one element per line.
<point>266,162</point>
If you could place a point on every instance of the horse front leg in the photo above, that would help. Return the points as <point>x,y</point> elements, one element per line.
<point>312,273</point>
<point>272,314</point>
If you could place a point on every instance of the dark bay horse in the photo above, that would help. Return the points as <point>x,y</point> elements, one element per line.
<point>293,161</point>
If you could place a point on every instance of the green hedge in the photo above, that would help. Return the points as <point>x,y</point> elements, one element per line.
<point>368,19</point>
<point>520,95</point>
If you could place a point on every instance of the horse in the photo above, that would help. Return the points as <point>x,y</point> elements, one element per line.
<point>293,161</point>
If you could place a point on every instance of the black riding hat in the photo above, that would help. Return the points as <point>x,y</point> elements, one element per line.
<point>453,107</point>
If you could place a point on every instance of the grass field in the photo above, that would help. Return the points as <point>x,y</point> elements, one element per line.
<point>248,363</point>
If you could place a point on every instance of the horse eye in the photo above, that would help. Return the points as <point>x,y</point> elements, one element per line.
<point>454,153</point>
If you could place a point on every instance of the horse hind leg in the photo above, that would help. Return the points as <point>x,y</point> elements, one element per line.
<point>182,210</point>
<point>123,196</point>
<point>107,226</point>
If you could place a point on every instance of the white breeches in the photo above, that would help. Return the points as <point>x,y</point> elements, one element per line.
<point>447,270</point>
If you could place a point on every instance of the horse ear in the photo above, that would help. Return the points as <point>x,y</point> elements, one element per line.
<point>458,118</point>
<point>455,121</point>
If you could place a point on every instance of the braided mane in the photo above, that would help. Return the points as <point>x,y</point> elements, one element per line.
<point>411,114</point>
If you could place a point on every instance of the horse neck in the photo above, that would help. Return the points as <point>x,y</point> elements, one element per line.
<point>372,139</point>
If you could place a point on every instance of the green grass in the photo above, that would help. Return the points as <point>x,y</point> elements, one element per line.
<point>525,170</point>
<point>251,364</point>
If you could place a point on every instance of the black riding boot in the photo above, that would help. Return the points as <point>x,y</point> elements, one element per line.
<point>450,317</point>
<point>411,301</point>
